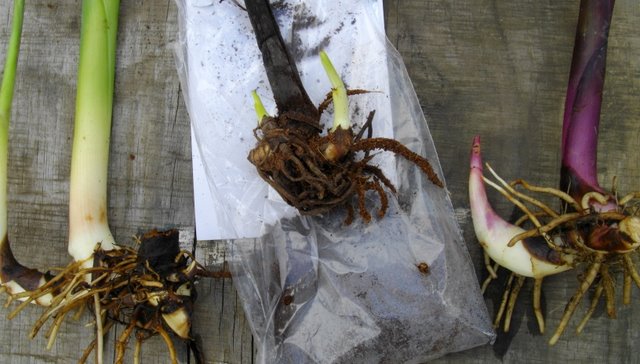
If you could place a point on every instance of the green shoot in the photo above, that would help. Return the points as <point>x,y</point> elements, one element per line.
<point>339,95</point>
<point>261,112</point>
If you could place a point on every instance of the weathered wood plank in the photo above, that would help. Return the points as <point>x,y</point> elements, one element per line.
<point>221,324</point>
<point>494,68</point>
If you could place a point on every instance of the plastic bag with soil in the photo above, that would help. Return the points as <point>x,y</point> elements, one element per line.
<point>398,289</point>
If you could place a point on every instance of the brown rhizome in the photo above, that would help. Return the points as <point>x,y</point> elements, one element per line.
<point>149,290</point>
<point>314,171</point>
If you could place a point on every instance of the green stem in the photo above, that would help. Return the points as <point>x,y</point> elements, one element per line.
<point>88,223</point>
<point>6,99</point>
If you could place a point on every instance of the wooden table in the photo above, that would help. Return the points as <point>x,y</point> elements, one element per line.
<point>495,68</point>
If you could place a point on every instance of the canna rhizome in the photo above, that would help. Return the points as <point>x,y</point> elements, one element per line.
<point>316,171</point>
<point>594,230</point>
<point>148,289</point>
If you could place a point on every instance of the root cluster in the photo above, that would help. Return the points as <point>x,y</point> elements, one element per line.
<point>148,290</point>
<point>292,156</point>
<point>600,244</point>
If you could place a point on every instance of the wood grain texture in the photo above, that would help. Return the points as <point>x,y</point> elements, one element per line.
<point>495,68</point>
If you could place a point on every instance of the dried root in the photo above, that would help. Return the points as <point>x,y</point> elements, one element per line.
<point>149,290</point>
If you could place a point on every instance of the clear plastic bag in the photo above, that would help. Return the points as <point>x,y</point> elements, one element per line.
<point>315,290</point>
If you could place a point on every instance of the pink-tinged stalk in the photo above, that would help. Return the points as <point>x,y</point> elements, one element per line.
<point>583,102</point>
<point>494,233</point>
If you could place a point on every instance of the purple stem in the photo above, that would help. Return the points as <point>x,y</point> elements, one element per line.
<point>578,174</point>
